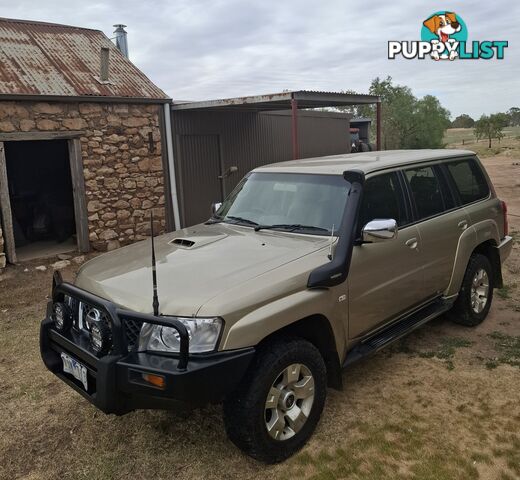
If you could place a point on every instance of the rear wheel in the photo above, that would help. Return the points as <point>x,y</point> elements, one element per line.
<point>475,296</point>
<point>278,405</point>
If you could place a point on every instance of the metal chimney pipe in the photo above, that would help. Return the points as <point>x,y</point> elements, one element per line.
<point>105,62</point>
<point>121,39</point>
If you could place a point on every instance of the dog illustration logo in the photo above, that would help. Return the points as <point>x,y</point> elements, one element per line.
<point>444,36</point>
<point>443,26</point>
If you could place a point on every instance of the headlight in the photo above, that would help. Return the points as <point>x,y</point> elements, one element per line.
<point>203,333</point>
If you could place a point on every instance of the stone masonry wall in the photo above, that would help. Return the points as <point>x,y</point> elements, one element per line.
<point>124,178</point>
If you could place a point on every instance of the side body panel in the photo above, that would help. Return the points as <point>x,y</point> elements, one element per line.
<point>486,230</point>
<point>488,216</point>
<point>384,281</point>
<point>492,209</point>
<point>487,225</point>
<point>440,238</point>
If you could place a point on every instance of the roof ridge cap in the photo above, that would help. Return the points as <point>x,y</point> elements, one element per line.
<point>47,24</point>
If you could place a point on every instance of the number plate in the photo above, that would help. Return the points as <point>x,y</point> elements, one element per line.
<point>76,369</point>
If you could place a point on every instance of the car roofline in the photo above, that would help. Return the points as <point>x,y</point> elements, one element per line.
<point>368,162</point>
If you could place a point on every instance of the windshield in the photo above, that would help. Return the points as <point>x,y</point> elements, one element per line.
<point>287,201</point>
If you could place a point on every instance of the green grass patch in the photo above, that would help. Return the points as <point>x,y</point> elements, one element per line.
<point>380,451</point>
<point>444,350</point>
<point>508,348</point>
<point>505,291</point>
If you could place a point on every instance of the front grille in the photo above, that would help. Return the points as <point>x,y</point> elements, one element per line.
<point>132,330</point>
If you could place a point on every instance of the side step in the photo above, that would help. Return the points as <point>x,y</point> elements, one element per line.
<point>397,330</point>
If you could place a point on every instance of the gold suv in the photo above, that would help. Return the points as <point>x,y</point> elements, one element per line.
<point>306,267</point>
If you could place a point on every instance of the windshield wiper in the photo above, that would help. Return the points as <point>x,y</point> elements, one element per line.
<point>240,220</point>
<point>213,219</point>
<point>291,227</point>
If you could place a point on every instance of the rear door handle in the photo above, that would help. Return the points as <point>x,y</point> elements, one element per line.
<point>463,224</point>
<point>411,243</point>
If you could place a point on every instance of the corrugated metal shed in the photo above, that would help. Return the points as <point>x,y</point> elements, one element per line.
<point>209,143</point>
<point>46,59</point>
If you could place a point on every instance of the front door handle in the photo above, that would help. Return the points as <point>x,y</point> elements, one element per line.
<point>463,224</point>
<point>411,243</point>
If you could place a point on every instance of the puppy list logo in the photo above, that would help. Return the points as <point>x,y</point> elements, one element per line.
<point>444,36</point>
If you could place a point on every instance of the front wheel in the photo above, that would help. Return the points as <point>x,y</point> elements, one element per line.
<point>475,296</point>
<point>278,405</point>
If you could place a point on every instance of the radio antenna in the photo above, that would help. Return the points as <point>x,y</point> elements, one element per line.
<point>155,301</point>
<point>331,242</point>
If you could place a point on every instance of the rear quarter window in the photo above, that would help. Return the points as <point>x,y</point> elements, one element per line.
<point>426,191</point>
<point>469,180</point>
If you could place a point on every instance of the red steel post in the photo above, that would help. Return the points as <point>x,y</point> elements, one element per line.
<point>378,125</point>
<point>294,110</point>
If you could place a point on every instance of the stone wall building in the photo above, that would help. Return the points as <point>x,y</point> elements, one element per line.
<point>83,149</point>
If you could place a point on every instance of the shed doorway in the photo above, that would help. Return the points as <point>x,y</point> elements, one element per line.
<point>40,199</point>
<point>201,174</point>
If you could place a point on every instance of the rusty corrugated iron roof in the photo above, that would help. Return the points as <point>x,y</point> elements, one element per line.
<point>46,59</point>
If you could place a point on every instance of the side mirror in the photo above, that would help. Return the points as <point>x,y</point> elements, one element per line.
<point>379,230</point>
<point>228,172</point>
<point>215,207</point>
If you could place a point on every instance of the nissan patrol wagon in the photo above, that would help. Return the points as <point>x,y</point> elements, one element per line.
<point>306,267</point>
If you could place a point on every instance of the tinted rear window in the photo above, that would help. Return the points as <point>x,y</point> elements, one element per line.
<point>426,191</point>
<point>469,180</point>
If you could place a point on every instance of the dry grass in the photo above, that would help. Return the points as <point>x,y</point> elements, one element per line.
<point>428,408</point>
<point>509,145</point>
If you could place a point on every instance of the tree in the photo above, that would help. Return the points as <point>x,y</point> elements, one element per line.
<point>355,110</point>
<point>490,127</point>
<point>514,116</point>
<point>432,120</point>
<point>463,121</point>
<point>398,112</point>
<point>407,122</point>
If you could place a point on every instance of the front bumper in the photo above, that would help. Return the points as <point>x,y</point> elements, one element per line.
<point>505,247</point>
<point>115,382</point>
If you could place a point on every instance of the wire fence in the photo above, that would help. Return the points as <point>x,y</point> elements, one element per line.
<point>468,138</point>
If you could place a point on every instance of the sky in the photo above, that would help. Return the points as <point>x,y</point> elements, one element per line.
<point>207,49</point>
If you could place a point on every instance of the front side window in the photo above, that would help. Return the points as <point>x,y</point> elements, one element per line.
<point>383,199</point>
<point>288,201</point>
<point>469,180</point>
<point>426,191</point>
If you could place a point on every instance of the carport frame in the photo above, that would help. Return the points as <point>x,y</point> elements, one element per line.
<point>290,100</point>
<point>78,187</point>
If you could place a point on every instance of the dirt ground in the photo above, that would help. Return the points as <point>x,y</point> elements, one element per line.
<point>441,404</point>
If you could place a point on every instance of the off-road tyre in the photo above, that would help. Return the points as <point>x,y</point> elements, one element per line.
<point>463,312</point>
<point>245,409</point>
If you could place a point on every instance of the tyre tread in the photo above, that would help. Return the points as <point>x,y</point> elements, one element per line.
<point>462,312</point>
<point>241,428</point>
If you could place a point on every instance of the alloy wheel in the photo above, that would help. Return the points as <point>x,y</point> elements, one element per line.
<point>479,290</point>
<point>289,402</point>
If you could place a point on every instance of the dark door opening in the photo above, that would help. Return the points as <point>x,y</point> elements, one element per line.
<point>41,196</point>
